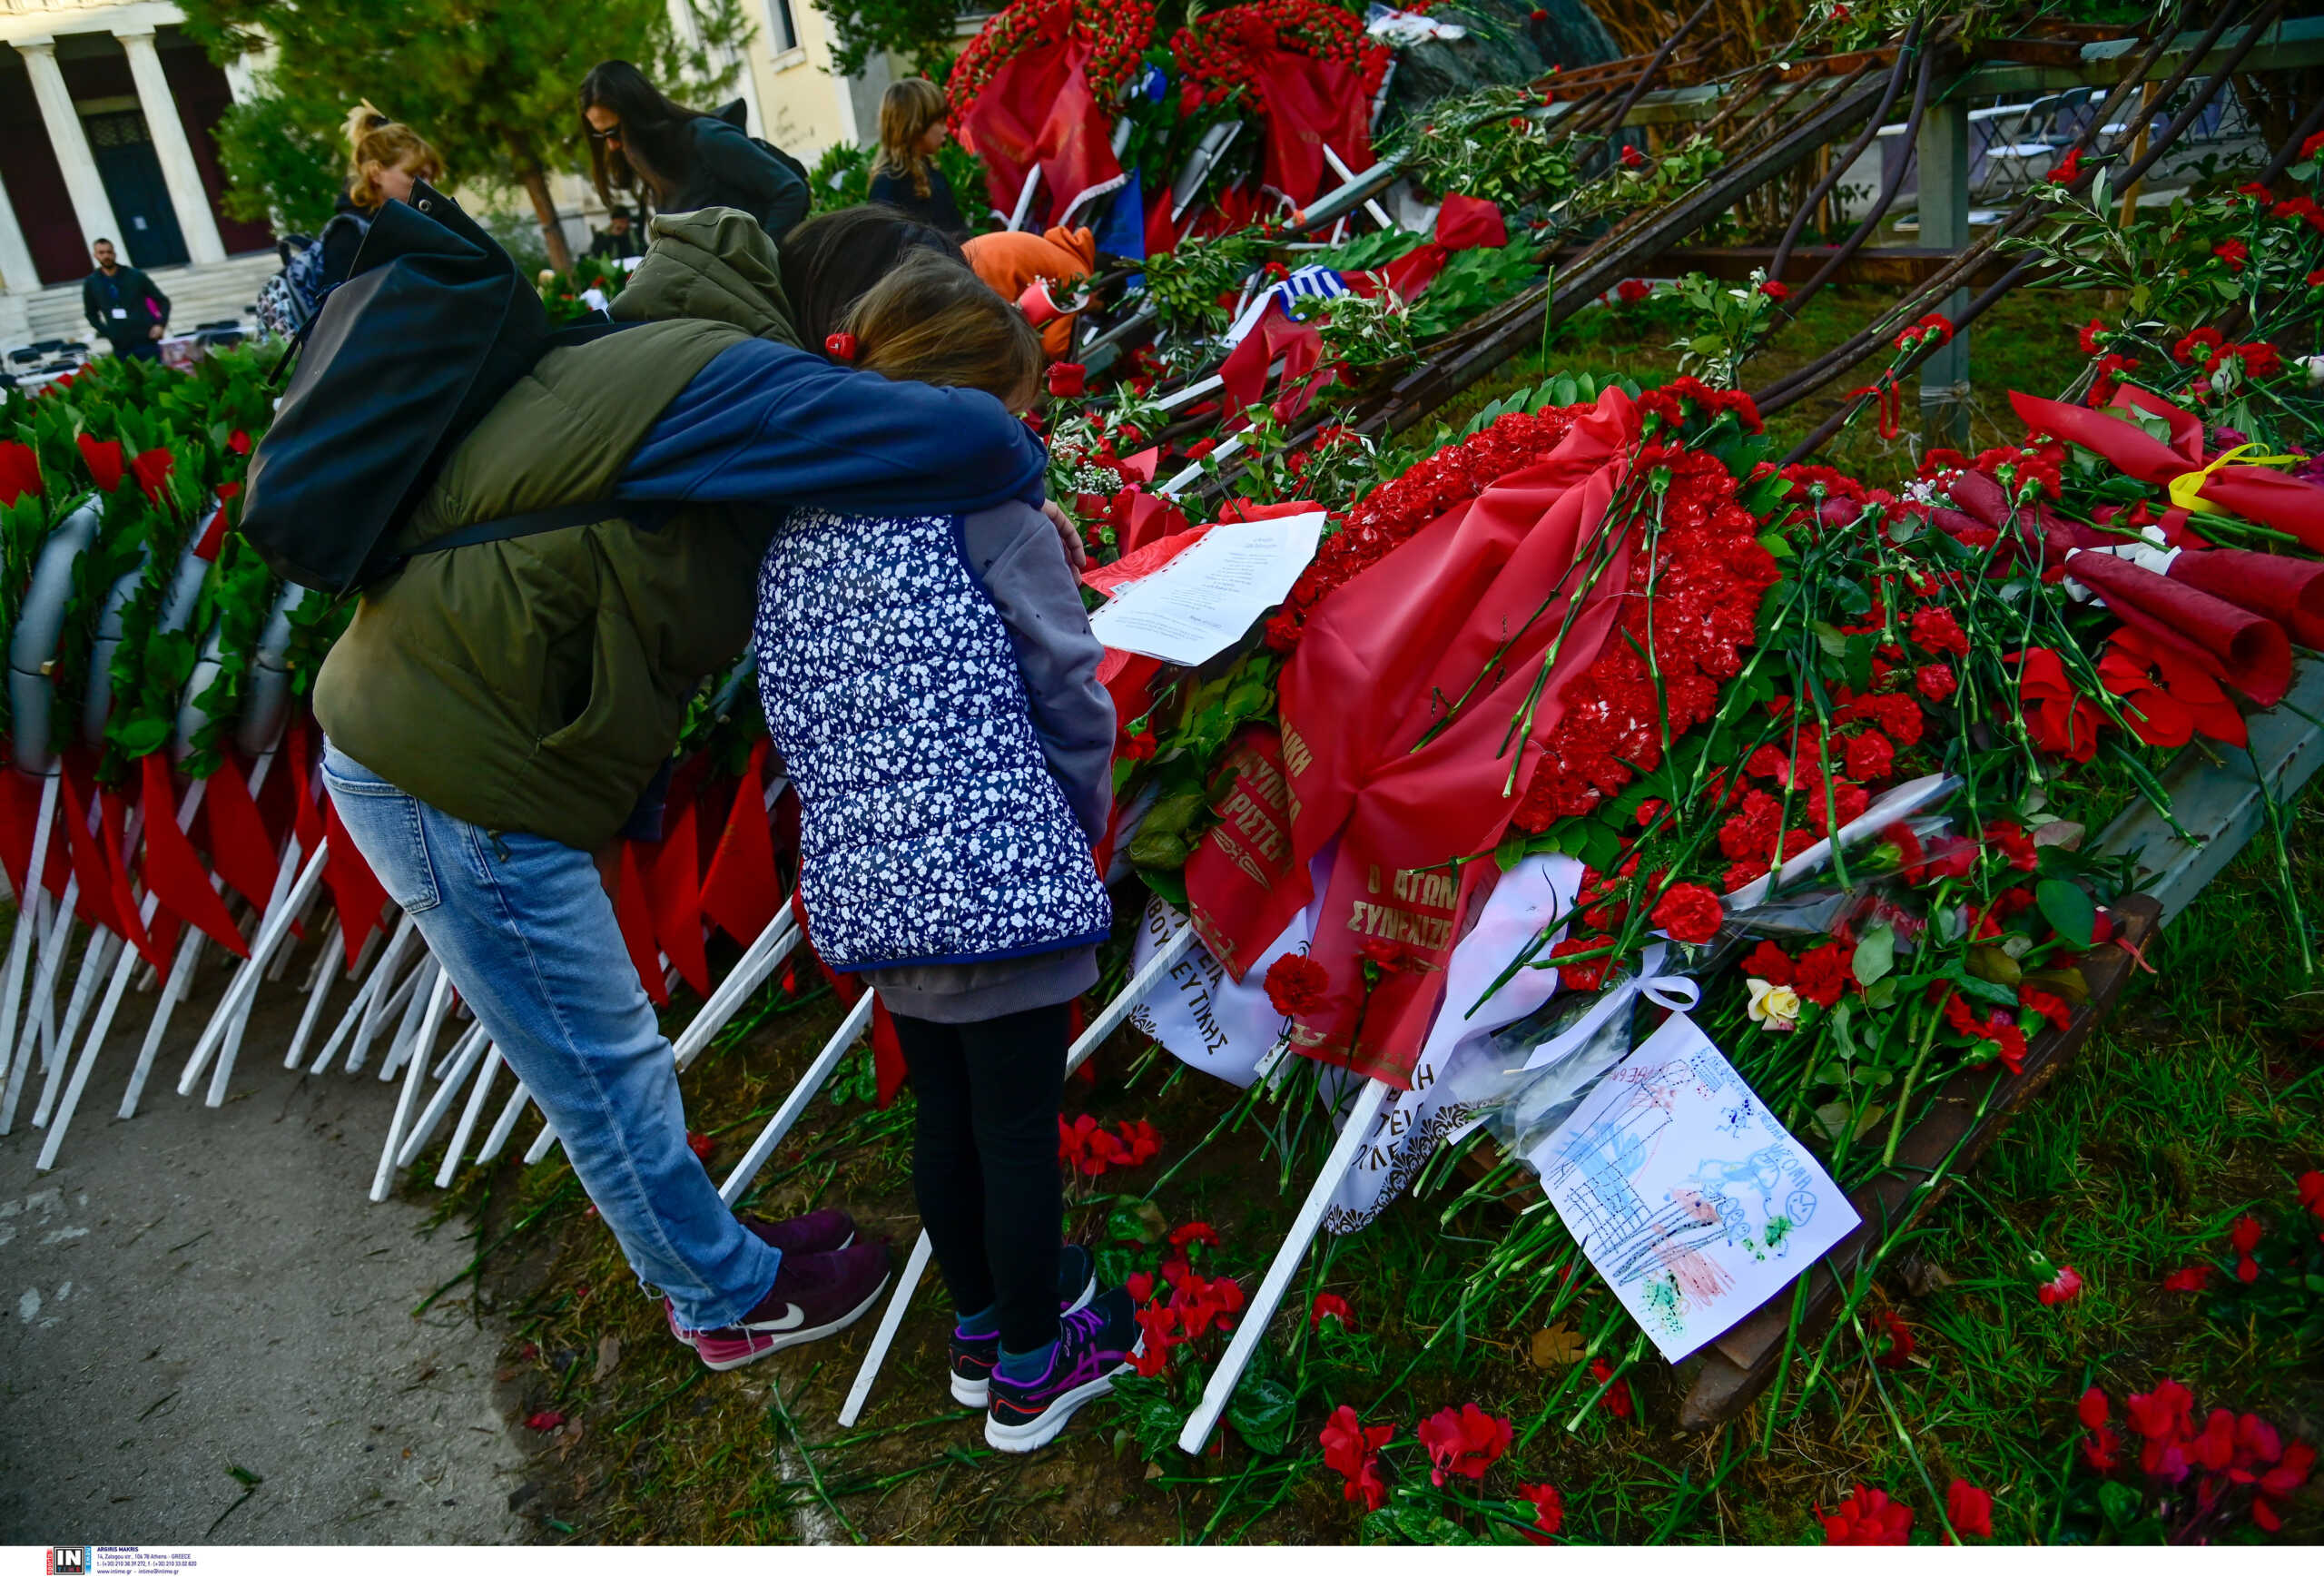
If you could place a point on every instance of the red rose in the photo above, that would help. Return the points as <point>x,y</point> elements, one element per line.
<point>1690,913</point>
<point>1066,379</point>
<point>1630,292</point>
<point>1776,291</point>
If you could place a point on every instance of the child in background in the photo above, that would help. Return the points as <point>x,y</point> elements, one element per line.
<point>931,682</point>
<point>905,176</point>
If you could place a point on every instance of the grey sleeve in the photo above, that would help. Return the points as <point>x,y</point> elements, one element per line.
<point>1015,552</point>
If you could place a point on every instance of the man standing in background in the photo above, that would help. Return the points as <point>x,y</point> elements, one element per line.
<point>123,305</point>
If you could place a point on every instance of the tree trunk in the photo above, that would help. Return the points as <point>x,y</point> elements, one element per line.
<point>561,256</point>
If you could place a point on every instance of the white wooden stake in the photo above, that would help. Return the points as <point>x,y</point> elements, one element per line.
<point>95,962</point>
<point>766,950</point>
<point>466,1052</point>
<point>270,933</point>
<point>1157,968</point>
<point>374,984</point>
<point>438,999</point>
<point>423,983</point>
<point>504,1125</point>
<point>175,990</point>
<point>466,1129</point>
<point>317,988</point>
<point>1339,167</point>
<point>28,911</point>
<point>1263,1304</point>
<point>885,1336</point>
<point>850,1030</point>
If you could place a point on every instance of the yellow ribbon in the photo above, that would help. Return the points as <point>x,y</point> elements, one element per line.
<point>2186,488</point>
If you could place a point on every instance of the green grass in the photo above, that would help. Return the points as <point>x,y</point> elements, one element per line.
<point>2202,1097</point>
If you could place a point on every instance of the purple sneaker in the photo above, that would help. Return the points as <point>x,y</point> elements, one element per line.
<point>1093,1346</point>
<point>973,1357</point>
<point>813,1296</point>
<point>816,1232</point>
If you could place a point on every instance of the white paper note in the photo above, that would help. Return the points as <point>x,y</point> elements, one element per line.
<point>1204,600</point>
<point>1688,1198</point>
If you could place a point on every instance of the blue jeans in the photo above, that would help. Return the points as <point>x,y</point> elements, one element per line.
<point>523,926</point>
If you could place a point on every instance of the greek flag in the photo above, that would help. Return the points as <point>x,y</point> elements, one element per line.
<point>1314,281</point>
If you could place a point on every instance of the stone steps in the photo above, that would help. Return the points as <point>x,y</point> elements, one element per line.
<point>206,294</point>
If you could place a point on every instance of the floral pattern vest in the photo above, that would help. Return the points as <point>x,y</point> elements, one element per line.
<point>931,828</point>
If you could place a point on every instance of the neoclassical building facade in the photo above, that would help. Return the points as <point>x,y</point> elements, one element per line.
<point>106,116</point>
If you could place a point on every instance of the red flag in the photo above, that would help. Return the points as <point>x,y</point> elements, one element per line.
<point>1037,109</point>
<point>743,892</point>
<point>636,917</point>
<point>1461,615</point>
<point>240,850</point>
<point>174,873</point>
<point>113,815</point>
<point>354,889</point>
<point>887,1055</point>
<point>674,887</point>
<point>1311,104</point>
<point>20,797</point>
<point>95,900</point>
<point>1275,336</point>
<point>1461,224</point>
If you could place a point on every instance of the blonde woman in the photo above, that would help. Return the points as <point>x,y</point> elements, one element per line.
<point>905,176</point>
<point>384,158</point>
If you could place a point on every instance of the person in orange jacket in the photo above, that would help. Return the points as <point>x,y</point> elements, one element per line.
<point>1010,259</point>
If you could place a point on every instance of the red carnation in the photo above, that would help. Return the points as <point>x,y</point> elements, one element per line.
<point>2063,1287</point>
<point>1869,1517</point>
<point>1466,1442</point>
<point>2189,1278</point>
<point>1869,757</point>
<point>1333,1304</point>
<point>701,1144</point>
<point>1899,1352</point>
<point>1935,680</point>
<point>1690,913</point>
<point>2233,253</point>
<point>1548,1506</point>
<point>1630,292</point>
<point>1822,974</point>
<point>1588,974</point>
<point>1296,985</point>
<point>1768,963</point>
<point>1969,1509</point>
<point>1352,1451</point>
<point>1935,629</point>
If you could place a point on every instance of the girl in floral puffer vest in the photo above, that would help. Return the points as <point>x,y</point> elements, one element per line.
<point>930,681</point>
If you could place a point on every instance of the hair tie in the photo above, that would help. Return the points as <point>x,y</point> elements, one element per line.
<point>840,347</point>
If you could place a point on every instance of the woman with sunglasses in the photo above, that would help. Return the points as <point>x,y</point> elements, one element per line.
<point>684,160</point>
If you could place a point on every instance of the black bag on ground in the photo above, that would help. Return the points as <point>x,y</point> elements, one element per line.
<point>433,327</point>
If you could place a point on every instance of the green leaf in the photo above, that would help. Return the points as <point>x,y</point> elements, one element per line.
<point>142,736</point>
<point>2069,909</point>
<point>1414,1525</point>
<point>1876,954</point>
<point>1264,1413</point>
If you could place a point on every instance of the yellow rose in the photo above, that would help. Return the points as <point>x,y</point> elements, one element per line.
<point>1775,1006</point>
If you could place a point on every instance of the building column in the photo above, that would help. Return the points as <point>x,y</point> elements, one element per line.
<point>17,270</point>
<point>188,198</point>
<point>91,207</point>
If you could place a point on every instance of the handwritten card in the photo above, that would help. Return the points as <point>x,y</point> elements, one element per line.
<point>1688,1196</point>
<point>1205,599</point>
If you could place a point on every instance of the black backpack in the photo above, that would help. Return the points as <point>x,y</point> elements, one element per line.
<point>434,325</point>
<point>737,114</point>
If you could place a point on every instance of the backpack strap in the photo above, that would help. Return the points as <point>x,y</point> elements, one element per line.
<point>644,515</point>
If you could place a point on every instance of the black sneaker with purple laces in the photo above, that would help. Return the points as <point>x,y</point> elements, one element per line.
<point>973,1357</point>
<point>1094,1345</point>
